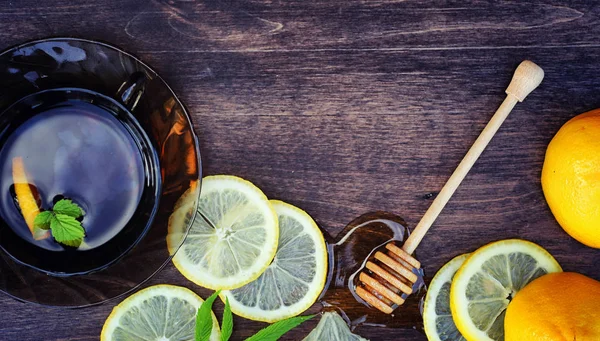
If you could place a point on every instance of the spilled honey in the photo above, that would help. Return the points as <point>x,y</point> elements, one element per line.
<point>347,257</point>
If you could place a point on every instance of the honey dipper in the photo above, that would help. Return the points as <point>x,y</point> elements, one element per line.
<point>387,279</point>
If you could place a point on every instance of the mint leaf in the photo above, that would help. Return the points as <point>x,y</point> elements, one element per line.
<point>204,321</point>
<point>277,329</point>
<point>72,243</point>
<point>68,207</point>
<point>227,326</point>
<point>42,220</point>
<point>66,230</point>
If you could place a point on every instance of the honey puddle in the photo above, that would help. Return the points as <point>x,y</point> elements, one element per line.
<point>347,257</point>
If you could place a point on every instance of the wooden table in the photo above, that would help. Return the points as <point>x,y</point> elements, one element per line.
<point>345,107</point>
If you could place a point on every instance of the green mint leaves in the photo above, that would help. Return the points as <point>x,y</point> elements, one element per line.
<point>273,332</point>
<point>204,321</point>
<point>277,329</point>
<point>67,230</point>
<point>67,207</point>
<point>63,223</point>
<point>43,219</point>
<point>227,325</point>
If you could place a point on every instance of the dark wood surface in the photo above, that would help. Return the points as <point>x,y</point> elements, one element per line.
<point>345,107</point>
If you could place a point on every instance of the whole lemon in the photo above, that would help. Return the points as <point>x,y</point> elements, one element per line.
<point>571,177</point>
<point>555,307</point>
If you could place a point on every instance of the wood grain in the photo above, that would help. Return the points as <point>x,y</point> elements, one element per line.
<point>346,107</point>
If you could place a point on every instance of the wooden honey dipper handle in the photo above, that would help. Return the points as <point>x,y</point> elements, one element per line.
<point>526,78</point>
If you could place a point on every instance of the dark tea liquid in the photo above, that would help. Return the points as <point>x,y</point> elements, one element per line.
<point>79,151</point>
<point>76,148</point>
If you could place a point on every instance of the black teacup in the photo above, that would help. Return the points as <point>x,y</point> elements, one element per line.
<point>132,153</point>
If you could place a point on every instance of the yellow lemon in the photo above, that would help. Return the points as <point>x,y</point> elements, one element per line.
<point>571,177</point>
<point>555,307</point>
<point>161,312</point>
<point>27,202</point>
<point>483,286</point>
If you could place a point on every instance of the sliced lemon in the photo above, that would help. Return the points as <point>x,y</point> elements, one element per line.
<point>233,237</point>
<point>161,312</point>
<point>332,327</point>
<point>486,282</point>
<point>437,317</point>
<point>26,199</point>
<point>295,278</point>
<point>183,213</point>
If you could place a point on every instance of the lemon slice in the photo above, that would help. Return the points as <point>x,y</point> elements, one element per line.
<point>484,285</point>
<point>437,318</point>
<point>27,202</point>
<point>293,282</point>
<point>332,328</point>
<point>233,237</point>
<point>183,213</point>
<point>161,312</point>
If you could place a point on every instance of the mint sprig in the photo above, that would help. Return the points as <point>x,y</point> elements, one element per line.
<point>42,220</point>
<point>227,325</point>
<point>204,320</point>
<point>276,330</point>
<point>67,207</point>
<point>63,223</point>
<point>273,332</point>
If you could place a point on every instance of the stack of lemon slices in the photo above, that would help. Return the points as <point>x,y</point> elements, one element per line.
<point>468,297</point>
<point>268,257</point>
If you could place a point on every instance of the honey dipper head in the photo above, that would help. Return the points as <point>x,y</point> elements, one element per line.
<point>388,278</point>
